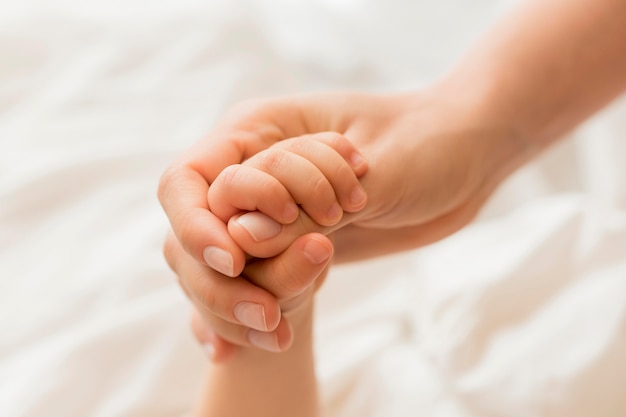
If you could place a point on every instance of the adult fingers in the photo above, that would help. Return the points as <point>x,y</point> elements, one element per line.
<point>182,193</point>
<point>290,277</point>
<point>221,338</point>
<point>238,311</point>
<point>244,131</point>
<point>234,300</point>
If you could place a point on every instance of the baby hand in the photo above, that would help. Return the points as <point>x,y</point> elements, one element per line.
<point>318,173</point>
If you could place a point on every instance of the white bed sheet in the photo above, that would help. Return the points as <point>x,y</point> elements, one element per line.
<point>521,314</point>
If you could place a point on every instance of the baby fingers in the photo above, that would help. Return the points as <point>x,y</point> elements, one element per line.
<point>317,172</point>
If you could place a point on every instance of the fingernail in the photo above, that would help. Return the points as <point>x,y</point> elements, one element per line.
<point>291,213</point>
<point>265,341</point>
<point>356,159</point>
<point>259,225</point>
<point>335,212</point>
<point>251,315</point>
<point>219,259</point>
<point>357,197</point>
<point>209,350</point>
<point>316,252</point>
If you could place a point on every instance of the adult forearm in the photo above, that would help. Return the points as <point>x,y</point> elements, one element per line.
<point>538,73</point>
<point>548,65</point>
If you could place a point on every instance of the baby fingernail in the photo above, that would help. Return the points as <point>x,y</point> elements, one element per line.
<point>316,252</point>
<point>356,159</point>
<point>335,212</point>
<point>259,225</point>
<point>357,197</point>
<point>251,315</point>
<point>219,259</point>
<point>265,341</point>
<point>291,213</point>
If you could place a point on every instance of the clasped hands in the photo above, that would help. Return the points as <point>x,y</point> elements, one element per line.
<point>281,187</point>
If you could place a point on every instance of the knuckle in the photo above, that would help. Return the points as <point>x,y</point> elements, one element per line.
<point>344,174</point>
<point>272,159</point>
<point>228,176</point>
<point>290,281</point>
<point>299,143</point>
<point>335,140</point>
<point>319,189</point>
<point>289,285</point>
<point>167,181</point>
<point>293,146</point>
<point>169,251</point>
<point>186,228</point>
<point>207,297</point>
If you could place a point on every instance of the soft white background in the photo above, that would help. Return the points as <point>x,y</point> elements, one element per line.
<point>521,314</point>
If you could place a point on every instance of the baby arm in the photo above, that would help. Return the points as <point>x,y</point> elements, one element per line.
<point>259,383</point>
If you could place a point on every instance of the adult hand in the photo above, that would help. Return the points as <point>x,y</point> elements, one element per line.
<point>249,311</point>
<point>432,163</point>
<point>434,157</point>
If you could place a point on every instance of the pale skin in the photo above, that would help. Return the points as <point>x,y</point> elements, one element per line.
<point>314,175</point>
<point>253,380</point>
<point>320,173</point>
<point>434,156</point>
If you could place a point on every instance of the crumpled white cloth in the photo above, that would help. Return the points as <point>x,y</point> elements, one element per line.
<point>520,314</point>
